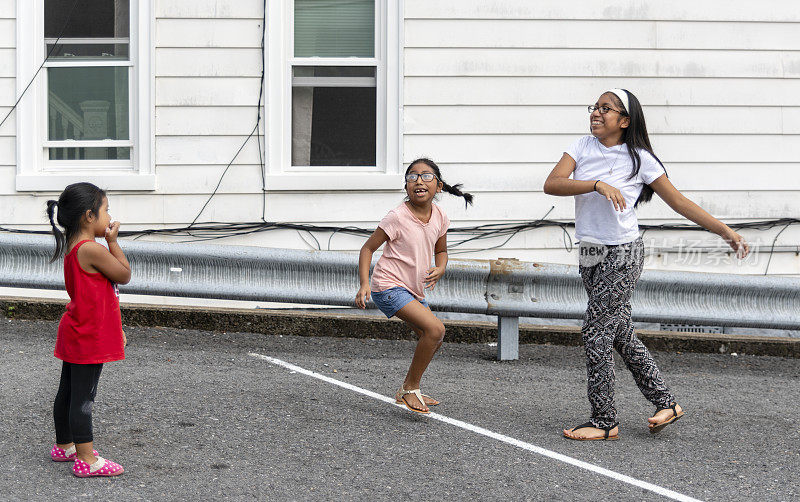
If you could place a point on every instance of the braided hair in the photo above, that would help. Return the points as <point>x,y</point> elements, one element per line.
<point>451,189</point>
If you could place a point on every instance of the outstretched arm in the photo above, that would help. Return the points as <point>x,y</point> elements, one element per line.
<point>375,241</point>
<point>689,210</point>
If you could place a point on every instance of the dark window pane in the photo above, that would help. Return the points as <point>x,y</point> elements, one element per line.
<point>89,153</point>
<point>87,103</point>
<point>89,18</point>
<point>333,126</point>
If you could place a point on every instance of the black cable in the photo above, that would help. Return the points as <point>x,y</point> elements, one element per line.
<point>223,176</point>
<point>771,249</point>
<point>49,53</point>
<point>254,131</point>
<point>484,231</point>
<point>261,159</point>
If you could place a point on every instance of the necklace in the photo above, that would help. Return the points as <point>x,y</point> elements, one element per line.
<point>616,157</point>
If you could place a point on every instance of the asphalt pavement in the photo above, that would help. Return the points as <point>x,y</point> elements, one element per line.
<point>193,415</point>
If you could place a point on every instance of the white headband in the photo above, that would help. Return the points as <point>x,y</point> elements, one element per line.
<point>623,96</point>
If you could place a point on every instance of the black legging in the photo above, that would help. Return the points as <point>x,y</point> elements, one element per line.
<point>72,409</point>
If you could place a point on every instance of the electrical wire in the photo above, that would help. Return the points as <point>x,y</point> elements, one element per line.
<point>259,137</point>
<point>261,161</point>
<point>49,53</point>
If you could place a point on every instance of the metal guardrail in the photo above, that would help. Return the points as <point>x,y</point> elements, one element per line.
<point>506,288</point>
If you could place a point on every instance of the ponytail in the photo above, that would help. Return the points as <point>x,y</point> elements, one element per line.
<point>60,240</point>
<point>456,190</point>
<point>72,204</point>
<point>451,189</point>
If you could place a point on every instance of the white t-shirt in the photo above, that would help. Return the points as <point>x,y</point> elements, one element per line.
<point>596,220</point>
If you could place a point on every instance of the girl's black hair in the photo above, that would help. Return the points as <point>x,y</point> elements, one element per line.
<point>453,190</point>
<point>72,204</point>
<point>635,137</point>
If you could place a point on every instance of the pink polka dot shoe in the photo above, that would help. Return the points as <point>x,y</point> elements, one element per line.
<point>102,467</point>
<point>68,455</point>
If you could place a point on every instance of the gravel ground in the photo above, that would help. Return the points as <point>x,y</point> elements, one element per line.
<point>190,414</point>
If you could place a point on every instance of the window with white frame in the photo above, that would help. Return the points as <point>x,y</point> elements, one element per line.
<point>333,93</point>
<point>86,116</point>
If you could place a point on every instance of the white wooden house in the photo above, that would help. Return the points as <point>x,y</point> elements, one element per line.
<point>152,99</point>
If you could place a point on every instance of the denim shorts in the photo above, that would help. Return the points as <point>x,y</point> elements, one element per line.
<point>393,299</point>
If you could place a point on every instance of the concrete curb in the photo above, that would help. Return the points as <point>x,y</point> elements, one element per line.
<point>300,323</point>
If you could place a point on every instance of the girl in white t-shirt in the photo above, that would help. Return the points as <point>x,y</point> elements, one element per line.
<point>414,231</point>
<point>613,171</point>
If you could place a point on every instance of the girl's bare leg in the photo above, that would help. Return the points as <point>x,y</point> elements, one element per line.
<point>431,333</point>
<point>85,452</point>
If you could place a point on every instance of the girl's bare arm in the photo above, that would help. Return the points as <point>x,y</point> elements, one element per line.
<point>110,262</point>
<point>375,241</point>
<point>560,183</point>
<point>691,211</point>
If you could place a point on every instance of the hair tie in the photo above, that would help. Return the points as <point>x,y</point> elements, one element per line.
<point>623,96</point>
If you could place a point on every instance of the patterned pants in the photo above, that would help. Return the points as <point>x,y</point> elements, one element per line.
<point>607,323</point>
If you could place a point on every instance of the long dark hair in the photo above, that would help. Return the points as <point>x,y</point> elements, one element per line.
<point>453,190</point>
<point>72,204</point>
<point>635,137</point>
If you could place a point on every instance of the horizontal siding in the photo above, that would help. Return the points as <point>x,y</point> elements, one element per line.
<point>791,120</point>
<point>542,148</point>
<point>171,33</point>
<point>212,9</point>
<point>599,34</point>
<point>525,179</point>
<point>10,126</point>
<point>8,9</point>
<point>7,33</point>
<point>8,68</point>
<point>205,120</point>
<point>304,208</point>
<point>208,62</point>
<point>528,90</point>
<point>182,150</point>
<point>207,78</point>
<point>608,62</point>
<point>706,176</point>
<point>177,179</point>
<point>8,149</point>
<point>575,120</point>
<point>199,91</point>
<point>681,10</point>
<point>7,90</point>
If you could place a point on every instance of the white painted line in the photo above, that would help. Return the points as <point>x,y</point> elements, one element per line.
<point>494,435</point>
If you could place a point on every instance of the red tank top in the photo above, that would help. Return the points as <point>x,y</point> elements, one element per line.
<point>90,331</point>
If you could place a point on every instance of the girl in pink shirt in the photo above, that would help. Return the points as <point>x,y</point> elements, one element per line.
<point>413,232</point>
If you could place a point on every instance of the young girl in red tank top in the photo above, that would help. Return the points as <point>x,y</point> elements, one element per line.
<point>90,332</point>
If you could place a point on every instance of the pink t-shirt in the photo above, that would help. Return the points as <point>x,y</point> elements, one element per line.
<point>408,253</point>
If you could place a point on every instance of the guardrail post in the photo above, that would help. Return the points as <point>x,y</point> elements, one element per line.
<point>507,338</point>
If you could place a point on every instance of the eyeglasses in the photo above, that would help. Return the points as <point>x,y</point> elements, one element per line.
<point>603,109</point>
<point>411,177</point>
